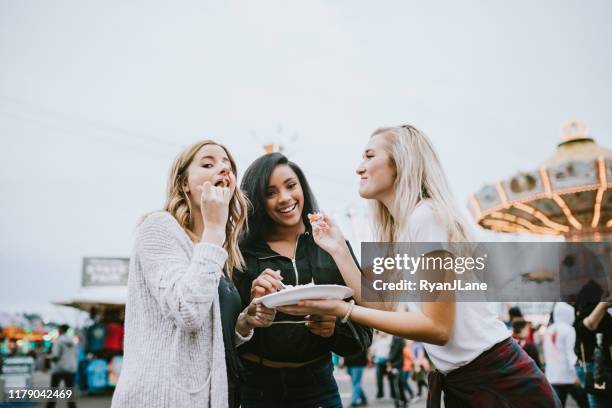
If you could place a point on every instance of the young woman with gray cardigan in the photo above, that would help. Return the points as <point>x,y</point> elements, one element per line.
<point>183,314</point>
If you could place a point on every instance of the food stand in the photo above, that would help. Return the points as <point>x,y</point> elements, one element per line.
<point>103,295</point>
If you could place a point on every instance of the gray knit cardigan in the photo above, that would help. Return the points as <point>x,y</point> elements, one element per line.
<point>174,353</point>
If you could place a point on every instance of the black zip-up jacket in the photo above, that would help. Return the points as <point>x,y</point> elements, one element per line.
<point>293,342</point>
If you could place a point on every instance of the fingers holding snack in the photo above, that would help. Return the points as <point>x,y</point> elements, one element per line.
<point>267,282</point>
<point>214,204</point>
<point>315,218</point>
<point>326,233</point>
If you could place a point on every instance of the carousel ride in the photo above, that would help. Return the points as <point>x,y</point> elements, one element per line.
<point>569,194</point>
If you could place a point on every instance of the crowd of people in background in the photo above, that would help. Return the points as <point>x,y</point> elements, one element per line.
<point>564,349</point>
<point>63,362</point>
<point>402,363</point>
<point>574,348</point>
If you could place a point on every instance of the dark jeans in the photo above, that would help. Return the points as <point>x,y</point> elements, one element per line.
<point>578,394</point>
<point>68,379</point>
<point>397,384</point>
<point>381,372</point>
<point>595,401</point>
<point>311,386</point>
<point>421,384</point>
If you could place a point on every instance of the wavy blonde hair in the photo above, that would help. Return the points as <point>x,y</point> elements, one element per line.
<point>419,176</point>
<point>178,204</point>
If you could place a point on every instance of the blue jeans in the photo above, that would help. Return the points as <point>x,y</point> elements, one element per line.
<point>407,387</point>
<point>595,401</point>
<point>357,395</point>
<point>311,386</point>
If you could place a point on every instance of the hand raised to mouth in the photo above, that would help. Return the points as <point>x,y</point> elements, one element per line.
<point>214,204</point>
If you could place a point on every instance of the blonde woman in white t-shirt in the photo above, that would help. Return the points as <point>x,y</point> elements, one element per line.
<point>478,364</point>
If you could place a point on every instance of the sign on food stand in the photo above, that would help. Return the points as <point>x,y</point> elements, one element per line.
<point>105,272</point>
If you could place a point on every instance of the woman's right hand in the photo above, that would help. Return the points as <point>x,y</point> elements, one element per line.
<point>267,282</point>
<point>327,234</point>
<point>214,204</point>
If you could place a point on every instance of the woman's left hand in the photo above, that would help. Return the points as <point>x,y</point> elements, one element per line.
<point>329,307</point>
<point>323,326</point>
<point>255,315</point>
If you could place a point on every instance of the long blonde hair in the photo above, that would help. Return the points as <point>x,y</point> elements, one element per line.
<point>419,176</point>
<point>178,204</point>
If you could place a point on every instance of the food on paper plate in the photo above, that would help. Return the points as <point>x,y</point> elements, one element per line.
<point>298,286</point>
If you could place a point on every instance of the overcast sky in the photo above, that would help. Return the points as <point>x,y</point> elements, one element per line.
<point>96,99</point>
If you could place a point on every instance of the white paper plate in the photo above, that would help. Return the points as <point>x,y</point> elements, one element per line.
<point>291,296</point>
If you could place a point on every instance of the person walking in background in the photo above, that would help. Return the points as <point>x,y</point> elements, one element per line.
<point>559,342</point>
<point>396,368</point>
<point>336,360</point>
<point>63,362</point>
<point>520,332</point>
<point>381,347</point>
<point>421,368</point>
<point>355,365</point>
<point>516,315</point>
<point>593,320</point>
<point>1,343</point>
<point>408,367</point>
<point>1,364</point>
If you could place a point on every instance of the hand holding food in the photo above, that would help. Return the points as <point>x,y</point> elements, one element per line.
<point>214,203</point>
<point>327,233</point>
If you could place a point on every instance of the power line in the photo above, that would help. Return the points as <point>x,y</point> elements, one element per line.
<point>292,141</point>
<point>103,127</point>
<point>71,132</point>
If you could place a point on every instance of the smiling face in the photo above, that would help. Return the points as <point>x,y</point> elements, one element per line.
<point>210,163</point>
<point>284,197</point>
<point>376,172</point>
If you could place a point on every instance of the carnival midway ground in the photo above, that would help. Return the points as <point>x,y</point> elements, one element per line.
<point>344,383</point>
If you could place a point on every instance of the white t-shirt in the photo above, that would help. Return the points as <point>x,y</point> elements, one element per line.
<point>476,327</point>
<point>382,346</point>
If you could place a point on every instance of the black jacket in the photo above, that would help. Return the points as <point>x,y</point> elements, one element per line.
<point>230,303</point>
<point>293,342</point>
<point>357,360</point>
